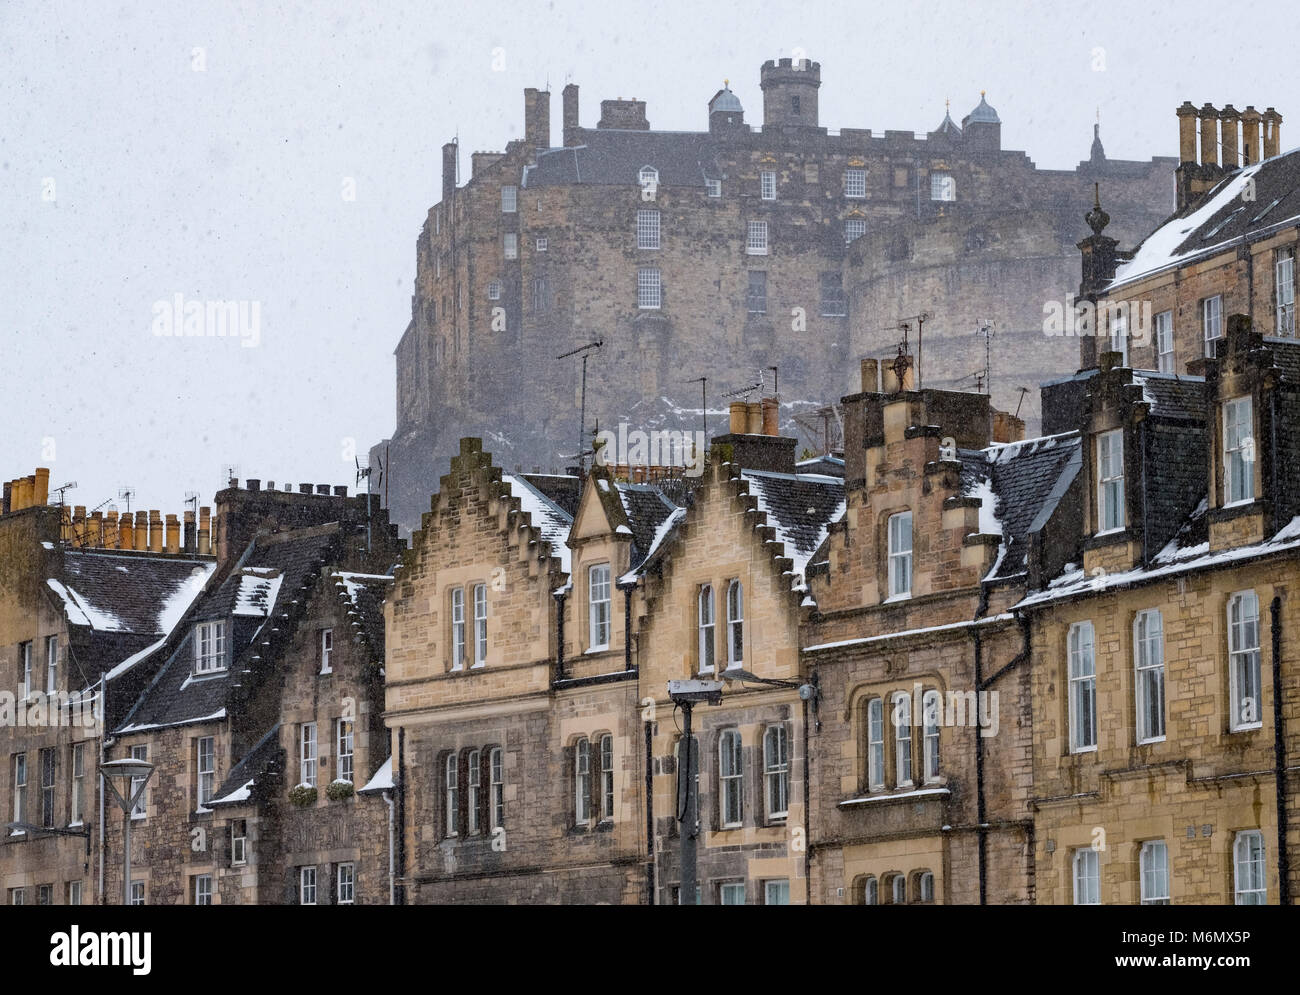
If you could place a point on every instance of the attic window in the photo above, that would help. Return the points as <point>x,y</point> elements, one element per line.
<point>715,187</point>
<point>1272,204</point>
<point>648,178</point>
<point>210,647</point>
<point>1221,225</point>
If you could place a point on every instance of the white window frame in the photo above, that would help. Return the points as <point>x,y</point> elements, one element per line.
<point>346,889</point>
<point>898,889</point>
<point>451,793</point>
<point>776,892</point>
<point>141,810</point>
<point>1086,873</point>
<point>78,784</point>
<point>1082,653</point>
<point>714,187</point>
<point>25,666</point>
<point>1111,510</point>
<point>756,238</point>
<point>1211,322</point>
<point>599,621</point>
<point>735,624</point>
<point>871,890</point>
<point>496,788</point>
<point>457,628</point>
<point>1249,868</point>
<point>1153,873</point>
<point>510,245</point>
<point>205,770</point>
<point>1244,677</point>
<point>210,647</point>
<point>203,889</point>
<point>902,739</point>
<point>854,228</point>
<point>900,555</point>
<point>1119,332</point>
<point>48,759</point>
<point>1284,293</point>
<point>345,738</point>
<point>649,288</point>
<point>648,177</point>
<point>925,886</point>
<point>582,781</point>
<point>307,754</point>
<point>767,184</point>
<point>647,228</point>
<point>730,891</point>
<point>307,885</point>
<point>1149,676</point>
<point>541,243</point>
<point>931,709</point>
<point>473,788</point>
<point>706,620</point>
<point>1164,336</point>
<point>1238,451</point>
<point>876,744</point>
<point>494,290</point>
<point>326,650</point>
<point>509,199</point>
<point>480,626</point>
<point>731,780</point>
<point>606,752</point>
<point>776,772</point>
<point>943,186</point>
<point>855,183</point>
<point>51,664</point>
<point>74,892</point>
<point>20,791</point>
<point>137,893</point>
<point>238,842</point>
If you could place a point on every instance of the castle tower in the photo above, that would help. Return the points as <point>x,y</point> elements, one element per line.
<point>790,93</point>
<point>982,128</point>
<point>726,115</point>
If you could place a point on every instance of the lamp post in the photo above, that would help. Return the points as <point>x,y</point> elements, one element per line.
<point>687,694</point>
<point>128,770</point>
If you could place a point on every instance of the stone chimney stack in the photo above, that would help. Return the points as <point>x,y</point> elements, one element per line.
<point>1186,132</point>
<point>628,115</point>
<point>1272,136</point>
<point>571,125</point>
<point>1209,135</point>
<point>537,118</point>
<point>449,156</point>
<point>1250,119</point>
<point>1229,123</point>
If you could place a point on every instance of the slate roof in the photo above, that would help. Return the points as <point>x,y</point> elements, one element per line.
<point>1286,357</point>
<point>1173,396</point>
<point>291,560</point>
<point>647,509</point>
<point>552,521</point>
<point>801,507</point>
<point>236,789</point>
<point>613,156</point>
<point>117,604</point>
<point>562,488</point>
<point>1024,481</point>
<point>363,596</point>
<point>831,466</point>
<point>1221,217</point>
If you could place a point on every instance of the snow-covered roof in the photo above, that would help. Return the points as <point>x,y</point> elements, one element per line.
<point>552,521</point>
<point>383,779</point>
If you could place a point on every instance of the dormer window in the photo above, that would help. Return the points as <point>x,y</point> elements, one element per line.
<point>1110,481</point>
<point>1238,451</point>
<point>210,647</point>
<point>649,180</point>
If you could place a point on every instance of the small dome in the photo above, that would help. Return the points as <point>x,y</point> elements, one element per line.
<point>983,113</point>
<point>726,102</point>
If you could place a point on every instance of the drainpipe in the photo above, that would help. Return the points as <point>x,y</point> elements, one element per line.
<point>1142,455</point>
<point>103,721</point>
<point>400,892</point>
<point>650,814</point>
<point>980,821</point>
<point>807,804</point>
<point>388,801</point>
<point>1279,758</point>
<point>559,630</point>
<point>627,625</point>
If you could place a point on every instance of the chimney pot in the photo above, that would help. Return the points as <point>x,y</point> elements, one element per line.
<point>753,418</point>
<point>173,538</point>
<point>155,531</point>
<point>41,479</point>
<point>304,488</point>
<point>126,532</point>
<point>205,531</point>
<point>95,529</point>
<point>191,533</point>
<point>323,489</point>
<point>870,376</point>
<point>141,530</point>
<point>738,418</point>
<point>253,483</point>
<point>341,490</point>
<point>771,416</point>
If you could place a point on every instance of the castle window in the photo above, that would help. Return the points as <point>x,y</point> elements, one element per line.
<point>541,295</point>
<point>206,771</point>
<point>649,289</point>
<point>731,773</point>
<point>756,238</point>
<point>74,893</point>
<point>1119,333</point>
<point>767,184</point>
<point>451,793</point>
<point>931,708</point>
<point>776,771</point>
<point>1083,689</point>
<point>496,787</point>
<point>210,647</point>
<point>794,105</point>
<point>735,624</point>
<point>472,791</point>
<point>1238,451</point>
<point>854,228</point>
<point>900,555</point>
<point>942,186</point>
<point>1284,286</point>
<point>1243,661</point>
<point>706,617</point>
<point>457,628</point>
<point>480,625</point>
<point>1149,663</point>
<point>1154,868</point>
<point>833,302</point>
<point>1165,342</point>
<point>648,177</point>
<point>647,229</point>
<point>1087,877</point>
<point>541,244</point>
<point>346,739</point>
<point>875,744</point>
<point>756,292</point>
<point>1110,481</point>
<point>1211,322</point>
<point>902,740</point>
<point>307,754</point>
<point>598,600</point>
<point>1248,883</point>
<point>607,777</point>
<point>855,183</point>
<point>509,200</point>
<point>582,782</point>
<point>494,290</point>
<point>714,187</point>
<point>871,891</point>
<point>511,245</point>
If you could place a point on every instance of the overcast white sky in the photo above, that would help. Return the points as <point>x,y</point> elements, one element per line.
<point>227,183</point>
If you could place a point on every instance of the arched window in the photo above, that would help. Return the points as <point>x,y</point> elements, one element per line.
<point>875,744</point>
<point>871,892</point>
<point>497,787</point>
<point>452,783</point>
<point>735,624</point>
<point>472,792</point>
<point>932,708</point>
<point>902,739</point>
<point>582,782</point>
<point>706,617</point>
<point>607,776</point>
<point>925,886</point>
<point>730,779</point>
<point>899,888</point>
<point>776,771</point>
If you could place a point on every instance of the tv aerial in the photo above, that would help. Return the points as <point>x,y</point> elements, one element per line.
<point>126,492</point>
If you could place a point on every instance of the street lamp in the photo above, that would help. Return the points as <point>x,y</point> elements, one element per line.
<point>687,694</point>
<point>128,770</point>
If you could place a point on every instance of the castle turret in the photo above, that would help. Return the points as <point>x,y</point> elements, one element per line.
<point>726,115</point>
<point>790,93</point>
<point>982,128</point>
